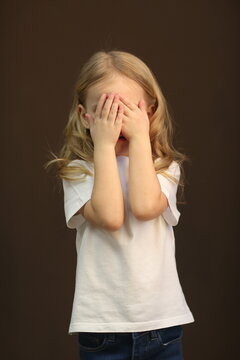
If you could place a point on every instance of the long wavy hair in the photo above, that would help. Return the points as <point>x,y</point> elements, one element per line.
<point>78,143</point>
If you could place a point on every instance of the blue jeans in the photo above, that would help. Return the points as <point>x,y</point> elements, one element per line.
<point>160,344</point>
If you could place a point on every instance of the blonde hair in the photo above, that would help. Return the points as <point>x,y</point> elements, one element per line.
<point>78,142</point>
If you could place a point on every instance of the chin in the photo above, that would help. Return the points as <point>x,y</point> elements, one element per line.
<point>121,150</point>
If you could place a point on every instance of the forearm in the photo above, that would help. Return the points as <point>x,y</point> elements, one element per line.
<point>107,198</point>
<point>143,186</point>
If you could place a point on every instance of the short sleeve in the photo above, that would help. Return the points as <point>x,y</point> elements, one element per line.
<point>169,188</point>
<point>76,194</point>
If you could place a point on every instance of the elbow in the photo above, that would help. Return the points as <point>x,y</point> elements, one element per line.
<point>113,222</point>
<point>113,225</point>
<point>147,213</point>
<point>144,216</point>
<point>110,219</point>
<point>150,209</point>
<point>140,214</point>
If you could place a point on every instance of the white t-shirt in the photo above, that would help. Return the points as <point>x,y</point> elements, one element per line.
<point>126,280</point>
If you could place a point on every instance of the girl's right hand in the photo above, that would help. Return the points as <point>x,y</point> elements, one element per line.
<point>105,126</point>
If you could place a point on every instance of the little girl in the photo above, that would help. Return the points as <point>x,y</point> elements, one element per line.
<point>120,175</point>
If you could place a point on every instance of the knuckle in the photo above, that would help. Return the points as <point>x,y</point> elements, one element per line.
<point>113,110</point>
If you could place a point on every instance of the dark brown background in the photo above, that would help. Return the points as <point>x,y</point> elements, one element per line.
<point>192,47</point>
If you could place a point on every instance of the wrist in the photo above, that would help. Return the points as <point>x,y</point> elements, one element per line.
<point>140,138</point>
<point>103,145</point>
<point>140,145</point>
<point>103,149</point>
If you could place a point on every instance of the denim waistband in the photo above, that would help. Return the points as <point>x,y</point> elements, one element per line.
<point>135,335</point>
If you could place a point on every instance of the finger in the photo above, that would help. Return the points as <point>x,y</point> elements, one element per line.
<point>107,106</point>
<point>126,102</point>
<point>126,109</point>
<point>119,113</point>
<point>124,117</point>
<point>114,109</point>
<point>100,104</point>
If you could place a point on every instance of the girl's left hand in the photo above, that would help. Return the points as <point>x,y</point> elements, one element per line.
<point>135,119</point>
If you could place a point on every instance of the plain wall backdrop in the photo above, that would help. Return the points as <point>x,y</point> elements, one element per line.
<point>192,48</point>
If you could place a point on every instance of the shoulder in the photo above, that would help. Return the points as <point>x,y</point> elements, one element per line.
<point>77,172</point>
<point>174,166</point>
<point>76,162</point>
<point>172,172</point>
<point>81,163</point>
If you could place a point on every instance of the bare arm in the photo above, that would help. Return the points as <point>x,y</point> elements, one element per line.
<point>145,196</point>
<point>106,207</point>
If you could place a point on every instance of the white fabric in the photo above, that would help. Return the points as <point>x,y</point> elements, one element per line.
<point>126,280</point>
